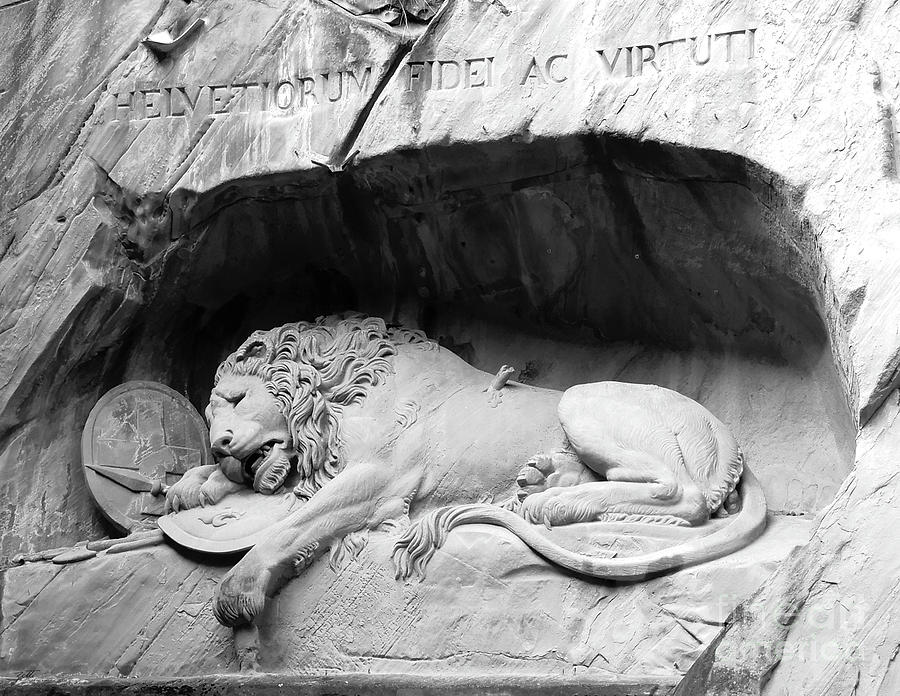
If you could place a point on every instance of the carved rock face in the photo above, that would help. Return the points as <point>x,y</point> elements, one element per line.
<point>692,214</point>
<point>394,12</point>
<point>248,433</point>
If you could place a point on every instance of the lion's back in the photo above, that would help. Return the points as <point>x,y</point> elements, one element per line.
<point>468,445</point>
<point>434,368</point>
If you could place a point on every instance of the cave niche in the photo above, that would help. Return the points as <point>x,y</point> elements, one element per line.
<point>575,260</point>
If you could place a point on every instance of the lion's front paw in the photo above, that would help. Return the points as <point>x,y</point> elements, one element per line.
<point>183,494</point>
<point>215,488</point>
<point>241,596</point>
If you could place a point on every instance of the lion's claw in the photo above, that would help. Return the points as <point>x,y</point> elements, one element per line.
<point>214,489</point>
<point>545,471</point>
<point>530,476</point>
<point>543,463</point>
<point>183,495</point>
<point>173,503</point>
<point>543,508</point>
<point>241,597</point>
<point>533,477</point>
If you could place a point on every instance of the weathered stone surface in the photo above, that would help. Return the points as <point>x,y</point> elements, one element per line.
<point>826,622</point>
<point>148,614</point>
<point>646,286</point>
<point>725,229</point>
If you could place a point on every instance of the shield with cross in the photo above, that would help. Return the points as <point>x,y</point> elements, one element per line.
<point>139,439</point>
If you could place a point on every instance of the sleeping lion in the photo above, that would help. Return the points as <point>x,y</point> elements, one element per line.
<point>379,423</point>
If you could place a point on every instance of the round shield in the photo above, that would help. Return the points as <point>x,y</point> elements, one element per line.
<point>138,439</point>
<point>238,522</point>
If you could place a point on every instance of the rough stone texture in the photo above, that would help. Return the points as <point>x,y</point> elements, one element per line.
<point>725,229</point>
<point>148,614</point>
<point>827,620</point>
<point>154,279</point>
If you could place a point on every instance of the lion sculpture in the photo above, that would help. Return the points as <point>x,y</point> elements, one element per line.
<point>376,422</point>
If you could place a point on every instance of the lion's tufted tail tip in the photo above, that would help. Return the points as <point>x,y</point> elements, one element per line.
<point>415,548</point>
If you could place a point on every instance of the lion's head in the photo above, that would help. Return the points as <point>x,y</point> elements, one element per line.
<point>279,397</point>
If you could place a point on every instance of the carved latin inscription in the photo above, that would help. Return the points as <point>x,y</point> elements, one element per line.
<point>714,49</point>
<point>440,74</point>
<point>450,74</point>
<point>722,48</point>
<point>282,96</point>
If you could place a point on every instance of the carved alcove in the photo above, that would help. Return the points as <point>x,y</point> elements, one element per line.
<point>574,260</point>
<point>548,205</point>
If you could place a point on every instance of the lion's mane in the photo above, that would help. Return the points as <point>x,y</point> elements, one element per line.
<point>313,370</point>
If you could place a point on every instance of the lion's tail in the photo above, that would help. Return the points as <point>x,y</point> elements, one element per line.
<point>418,544</point>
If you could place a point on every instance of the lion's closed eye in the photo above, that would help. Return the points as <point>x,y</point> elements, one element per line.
<point>235,398</point>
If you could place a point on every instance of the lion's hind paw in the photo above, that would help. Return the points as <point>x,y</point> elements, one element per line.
<point>533,477</point>
<point>546,508</point>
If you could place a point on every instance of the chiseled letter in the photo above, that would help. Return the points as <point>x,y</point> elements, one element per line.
<point>533,73</point>
<point>478,72</point>
<point>729,52</point>
<point>285,94</point>
<point>649,58</point>
<point>152,107</point>
<point>185,99</point>
<point>415,70</point>
<point>610,66</point>
<point>361,85</point>
<point>551,62</point>
<point>220,96</point>
<point>126,107</point>
<point>455,75</point>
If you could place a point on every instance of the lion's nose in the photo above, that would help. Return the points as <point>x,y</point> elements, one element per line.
<point>221,445</point>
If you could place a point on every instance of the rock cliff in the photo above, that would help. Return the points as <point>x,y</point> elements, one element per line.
<point>699,194</point>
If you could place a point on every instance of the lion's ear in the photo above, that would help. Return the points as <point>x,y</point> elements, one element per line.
<point>254,349</point>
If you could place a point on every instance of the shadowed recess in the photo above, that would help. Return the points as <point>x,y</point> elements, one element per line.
<point>575,259</point>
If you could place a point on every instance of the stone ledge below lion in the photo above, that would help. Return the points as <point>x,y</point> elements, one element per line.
<point>487,605</point>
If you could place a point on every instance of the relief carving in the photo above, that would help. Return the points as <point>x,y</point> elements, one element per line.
<point>314,407</point>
